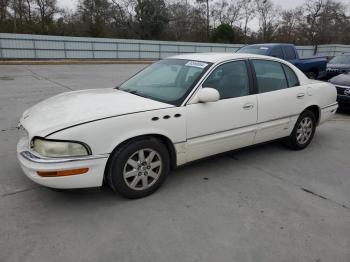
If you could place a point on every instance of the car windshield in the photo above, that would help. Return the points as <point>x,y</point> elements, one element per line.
<point>342,59</point>
<point>258,50</point>
<point>168,81</point>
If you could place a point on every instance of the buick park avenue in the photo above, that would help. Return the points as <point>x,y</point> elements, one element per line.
<point>174,111</point>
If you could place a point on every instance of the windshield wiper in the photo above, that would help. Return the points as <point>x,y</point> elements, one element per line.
<point>134,92</point>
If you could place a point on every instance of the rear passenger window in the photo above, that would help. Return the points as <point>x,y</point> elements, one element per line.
<point>269,75</point>
<point>277,52</point>
<point>289,52</point>
<point>291,76</point>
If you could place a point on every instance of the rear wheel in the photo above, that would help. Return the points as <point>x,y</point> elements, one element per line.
<point>138,168</point>
<point>303,131</point>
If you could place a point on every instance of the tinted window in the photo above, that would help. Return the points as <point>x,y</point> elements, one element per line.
<point>289,52</point>
<point>270,76</point>
<point>277,52</point>
<point>291,76</point>
<point>230,79</point>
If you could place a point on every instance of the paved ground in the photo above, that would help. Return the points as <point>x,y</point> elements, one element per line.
<point>261,204</point>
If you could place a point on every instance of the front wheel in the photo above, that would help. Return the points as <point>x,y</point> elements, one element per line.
<point>303,131</point>
<point>138,168</point>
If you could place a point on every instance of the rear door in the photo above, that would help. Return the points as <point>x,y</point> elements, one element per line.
<point>280,98</point>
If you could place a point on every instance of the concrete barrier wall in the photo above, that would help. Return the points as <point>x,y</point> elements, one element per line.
<point>21,46</point>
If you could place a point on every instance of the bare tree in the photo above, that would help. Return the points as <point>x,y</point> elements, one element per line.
<point>289,24</point>
<point>46,9</point>
<point>227,12</point>
<point>268,15</point>
<point>325,21</point>
<point>208,15</point>
<point>248,11</point>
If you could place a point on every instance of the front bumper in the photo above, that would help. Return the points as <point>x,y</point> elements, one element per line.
<point>343,97</point>
<point>31,163</point>
<point>344,101</point>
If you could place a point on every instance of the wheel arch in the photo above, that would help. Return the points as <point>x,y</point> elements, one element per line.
<point>160,137</point>
<point>316,110</point>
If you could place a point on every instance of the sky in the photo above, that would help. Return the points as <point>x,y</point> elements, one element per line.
<point>283,3</point>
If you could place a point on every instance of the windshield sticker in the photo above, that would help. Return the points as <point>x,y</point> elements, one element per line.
<point>196,64</point>
<point>264,48</point>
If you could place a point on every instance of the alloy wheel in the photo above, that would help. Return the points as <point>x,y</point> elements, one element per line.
<point>142,169</point>
<point>304,130</point>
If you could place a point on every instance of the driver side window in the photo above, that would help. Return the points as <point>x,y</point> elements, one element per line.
<point>230,79</point>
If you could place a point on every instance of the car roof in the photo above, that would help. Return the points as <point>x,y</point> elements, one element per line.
<point>271,44</point>
<point>219,57</point>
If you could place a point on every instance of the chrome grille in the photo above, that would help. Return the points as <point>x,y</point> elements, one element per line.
<point>344,91</point>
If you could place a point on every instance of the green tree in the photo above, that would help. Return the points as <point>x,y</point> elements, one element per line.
<point>224,33</point>
<point>151,18</point>
<point>95,16</point>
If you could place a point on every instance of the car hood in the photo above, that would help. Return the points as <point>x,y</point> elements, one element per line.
<point>343,80</point>
<point>77,107</point>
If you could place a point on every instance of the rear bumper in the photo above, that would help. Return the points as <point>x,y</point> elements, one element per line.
<point>328,112</point>
<point>30,164</point>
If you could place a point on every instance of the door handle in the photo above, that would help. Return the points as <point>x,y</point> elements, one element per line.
<point>248,106</point>
<point>300,95</point>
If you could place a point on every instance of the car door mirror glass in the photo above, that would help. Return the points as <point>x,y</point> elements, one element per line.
<point>208,94</point>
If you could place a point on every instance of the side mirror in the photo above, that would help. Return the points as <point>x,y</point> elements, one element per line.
<point>208,94</point>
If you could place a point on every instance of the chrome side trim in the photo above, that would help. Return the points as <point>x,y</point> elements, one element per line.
<point>334,104</point>
<point>255,124</point>
<point>45,160</point>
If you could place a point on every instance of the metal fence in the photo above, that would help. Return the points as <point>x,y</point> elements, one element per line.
<point>21,46</point>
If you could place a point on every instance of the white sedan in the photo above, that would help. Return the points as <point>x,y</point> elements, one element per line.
<point>175,111</point>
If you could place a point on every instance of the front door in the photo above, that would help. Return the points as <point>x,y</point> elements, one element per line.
<point>226,124</point>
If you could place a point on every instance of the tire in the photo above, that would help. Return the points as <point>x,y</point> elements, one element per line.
<point>138,168</point>
<point>312,75</point>
<point>301,136</point>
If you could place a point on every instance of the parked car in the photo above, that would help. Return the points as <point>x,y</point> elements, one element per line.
<point>175,111</point>
<point>339,64</point>
<point>313,67</point>
<point>342,83</point>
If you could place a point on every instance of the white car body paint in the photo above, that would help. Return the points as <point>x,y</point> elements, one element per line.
<point>105,118</point>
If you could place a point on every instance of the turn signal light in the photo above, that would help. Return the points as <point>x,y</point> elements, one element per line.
<point>63,172</point>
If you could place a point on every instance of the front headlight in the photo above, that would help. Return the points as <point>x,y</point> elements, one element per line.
<point>52,148</point>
